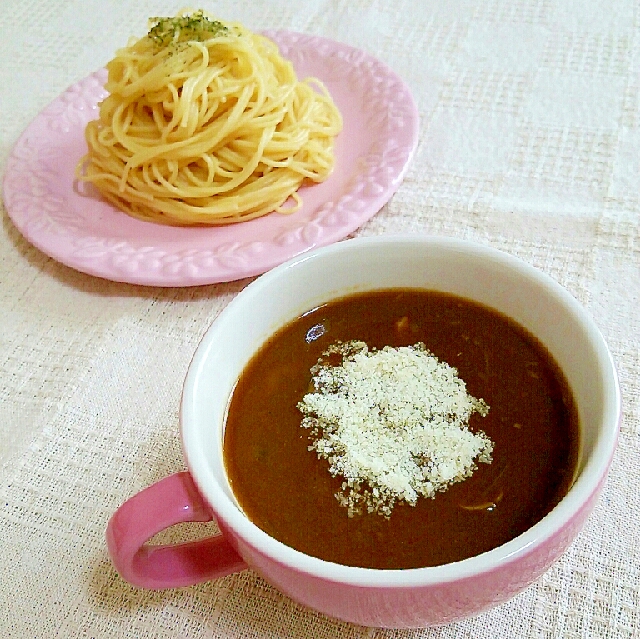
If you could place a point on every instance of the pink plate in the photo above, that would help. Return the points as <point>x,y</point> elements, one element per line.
<point>72,224</point>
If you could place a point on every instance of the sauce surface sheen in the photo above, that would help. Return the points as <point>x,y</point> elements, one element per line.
<point>288,492</point>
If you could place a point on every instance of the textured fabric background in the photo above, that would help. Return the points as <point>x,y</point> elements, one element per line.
<point>529,142</point>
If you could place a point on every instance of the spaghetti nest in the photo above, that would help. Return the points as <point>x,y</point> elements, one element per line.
<point>205,123</point>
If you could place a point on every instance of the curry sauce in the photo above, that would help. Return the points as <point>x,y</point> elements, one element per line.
<point>286,490</point>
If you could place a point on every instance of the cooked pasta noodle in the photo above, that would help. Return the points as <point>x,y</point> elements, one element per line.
<point>206,123</point>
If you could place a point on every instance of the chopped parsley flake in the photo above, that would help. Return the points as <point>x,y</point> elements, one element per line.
<point>183,29</point>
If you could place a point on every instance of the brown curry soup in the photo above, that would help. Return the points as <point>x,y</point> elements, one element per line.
<point>288,492</point>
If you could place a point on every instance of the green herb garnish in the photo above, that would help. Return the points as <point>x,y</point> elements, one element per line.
<point>182,29</point>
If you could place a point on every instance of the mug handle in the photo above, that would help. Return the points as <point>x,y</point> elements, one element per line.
<point>172,500</point>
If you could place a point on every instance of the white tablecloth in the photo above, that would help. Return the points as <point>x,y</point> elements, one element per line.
<point>529,142</point>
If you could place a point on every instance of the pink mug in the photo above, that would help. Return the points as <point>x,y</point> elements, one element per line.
<point>386,598</point>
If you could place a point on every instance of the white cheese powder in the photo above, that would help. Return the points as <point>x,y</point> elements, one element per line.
<point>393,423</point>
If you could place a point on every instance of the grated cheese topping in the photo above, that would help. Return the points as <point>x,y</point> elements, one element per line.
<point>393,423</point>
